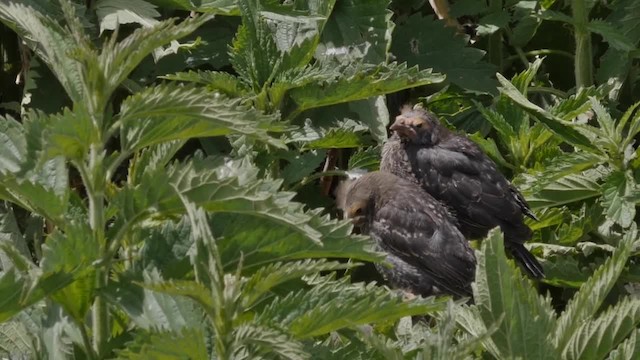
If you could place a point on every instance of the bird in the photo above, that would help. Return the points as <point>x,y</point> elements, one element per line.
<point>454,170</point>
<point>427,253</point>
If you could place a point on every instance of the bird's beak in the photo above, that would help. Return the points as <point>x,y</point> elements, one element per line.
<point>404,130</point>
<point>358,220</point>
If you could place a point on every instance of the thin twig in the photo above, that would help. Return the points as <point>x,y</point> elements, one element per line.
<point>329,164</point>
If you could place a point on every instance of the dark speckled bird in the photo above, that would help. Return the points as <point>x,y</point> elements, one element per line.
<point>454,170</point>
<point>427,252</point>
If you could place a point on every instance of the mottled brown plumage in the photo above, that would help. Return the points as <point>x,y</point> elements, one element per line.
<point>454,170</point>
<point>428,253</point>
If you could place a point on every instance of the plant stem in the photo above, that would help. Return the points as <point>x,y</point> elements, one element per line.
<point>494,48</point>
<point>316,176</point>
<point>548,90</point>
<point>542,52</point>
<point>95,194</point>
<point>86,341</point>
<point>113,167</point>
<point>582,59</point>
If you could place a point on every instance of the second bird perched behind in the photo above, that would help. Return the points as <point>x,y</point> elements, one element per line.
<point>428,253</point>
<point>454,170</point>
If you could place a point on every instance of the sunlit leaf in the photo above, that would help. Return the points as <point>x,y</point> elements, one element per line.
<point>561,128</point>
<point>617,190</point>
<point>525,319</point>
<point>361,82</point>
<point>112,13</point>
<point>426,42</point>
<point>592,293</point>
<point>186,344</point>
<point>171,112</point>
<point>597,337</point>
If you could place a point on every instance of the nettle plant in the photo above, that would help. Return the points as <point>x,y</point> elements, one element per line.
<point>521,323</point>
<point>577,166</point>
<point>203,256</point>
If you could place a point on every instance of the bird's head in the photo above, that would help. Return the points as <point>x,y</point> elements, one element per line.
<point>355,199</point>
<point>416,126</point>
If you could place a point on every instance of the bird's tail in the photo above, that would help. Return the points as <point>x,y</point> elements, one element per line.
<point>526,260</point>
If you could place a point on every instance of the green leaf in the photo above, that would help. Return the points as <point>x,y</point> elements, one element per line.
<point>373,113</point>
<point>254,53</point>
<point>297,28</point>
<point>44,191</point>
<point>607,125</point>
<point>118,59</point>
<point>69,134</point>
<point>165,249</point>
<point>186,344</point>
<point>272,275</point>
<point>564,270</point>
<point>221,7</point>
<point>12,145</point>
<point>492,22</point>
<point>222,82</point>
<point>187,288</point>
<point>467,7</point>
<point>426,42</point>
<point>357,29</point>
<point>561,128</point>
<point>266,242</point>
<point>598,337</point>
<point>611,35</point>
<point>301,165</point>
<point>256,340</point>
<point>581,223</point>
<point>151,310</point>
<point>337,139</point>
<point>556,16</point>
<point>360,82</point>
<point>628,349</point>
<point>617,190</point>
<point>365,158</point>
<point>225,186</point>
<point>153,157</point>
<point>566,190</point>
<point>504,129</point>
<point>503,296</point>
<point>331,132</point>
<point>15,339</point>
<point>575,105</point>
<point>11,284</point>
<point>112,13</point>
<point>615,64</point>
<point>489,146</point>
<point>332,305</point>
<point>471,321</point>
<point>523,80</point>
<point>634,125</point>
<point>587,301</point>
<point>25,289</point>
<point>49,40</point>
<point>10,235</point>
<point>525,30</point>
<point>73,252</point>
<point>567,163</point>
<point>171,112</point>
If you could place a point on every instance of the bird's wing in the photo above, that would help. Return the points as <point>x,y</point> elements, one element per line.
<point>422,237</point>
<point>462,176</point>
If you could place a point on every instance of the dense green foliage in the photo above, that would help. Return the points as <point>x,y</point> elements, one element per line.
<point>166,173</point>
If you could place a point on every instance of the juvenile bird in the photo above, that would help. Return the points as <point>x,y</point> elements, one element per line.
<point>454,170</point>
<point>428,253</point>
